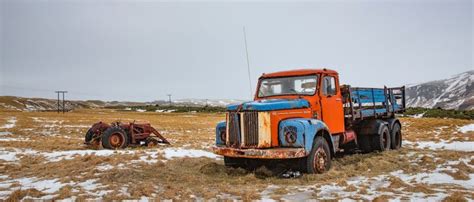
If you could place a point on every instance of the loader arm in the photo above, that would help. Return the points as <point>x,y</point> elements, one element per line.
<point>163,139</point>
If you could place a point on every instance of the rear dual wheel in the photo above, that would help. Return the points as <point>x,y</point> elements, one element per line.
<point>114,138</point>
<point>396,134</point>
<point>382,141</point>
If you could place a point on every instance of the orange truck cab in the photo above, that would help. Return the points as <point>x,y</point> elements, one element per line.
<point>308,115</point>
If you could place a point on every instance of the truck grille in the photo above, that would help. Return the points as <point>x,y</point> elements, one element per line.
<point>234,129</point>
<point>251,129</point>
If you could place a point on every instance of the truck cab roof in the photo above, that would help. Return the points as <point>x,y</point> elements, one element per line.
<point>298,72</point>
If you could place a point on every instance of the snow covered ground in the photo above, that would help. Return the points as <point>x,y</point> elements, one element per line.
<point>45,152</point>
<point>10,154</point>
<point>11,122</point>
<point>442,145</point>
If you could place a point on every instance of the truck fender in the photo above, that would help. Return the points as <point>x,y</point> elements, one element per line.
<point>391,122</point>
<point>221,126</point>
<point>307,130</point>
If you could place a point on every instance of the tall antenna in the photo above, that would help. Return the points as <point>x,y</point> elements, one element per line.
<point>248,63</point>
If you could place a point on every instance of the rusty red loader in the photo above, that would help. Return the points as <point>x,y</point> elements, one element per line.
<point>119,135</point>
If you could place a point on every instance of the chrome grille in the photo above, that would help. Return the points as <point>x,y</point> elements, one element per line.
<point>234,129</point>
<point>251,129</point>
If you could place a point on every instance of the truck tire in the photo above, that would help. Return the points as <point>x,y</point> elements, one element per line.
<point>364,143</point>
<point>381,141</point>
<point>114,138</point>
<point>319,160</point>
<point>396,136</point>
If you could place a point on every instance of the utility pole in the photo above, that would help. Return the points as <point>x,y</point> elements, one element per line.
<point>169,99</point>
<point>63,105</point>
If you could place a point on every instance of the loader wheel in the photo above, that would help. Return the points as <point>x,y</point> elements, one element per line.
<point>381,141</point>
<point>89,135</point>
<point>114,138</point>
<point>319,160</point>
<point>396,135</point>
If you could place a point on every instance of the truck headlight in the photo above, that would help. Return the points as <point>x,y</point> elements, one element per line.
<point>222,135</point>
<point>290,134</point>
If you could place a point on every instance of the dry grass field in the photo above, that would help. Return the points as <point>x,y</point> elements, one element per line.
<point>42,156</point>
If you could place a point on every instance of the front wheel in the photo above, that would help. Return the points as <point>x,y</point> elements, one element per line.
<point>319,160</point>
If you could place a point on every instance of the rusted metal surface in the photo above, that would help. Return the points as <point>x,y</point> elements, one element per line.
<point>250,125</point>
<point>233,129</point>
<point>136,133</point>
<point>265,130</point>
<point>274,153</point>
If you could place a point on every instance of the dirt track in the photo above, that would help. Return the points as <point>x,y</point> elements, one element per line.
<point>42,156</point>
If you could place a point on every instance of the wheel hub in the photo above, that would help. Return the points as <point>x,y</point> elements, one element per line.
<point>116,140</point>
<point>320,160</point>
<point>385,140</point>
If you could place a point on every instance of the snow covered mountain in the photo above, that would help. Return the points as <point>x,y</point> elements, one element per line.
<point>456,92</point>
<point>204,102</point>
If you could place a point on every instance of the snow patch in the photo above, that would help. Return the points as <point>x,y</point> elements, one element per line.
<point>47,186</point>
<point>434,178</point>
<point>10,123</point>
<point>70,154</point>
<point>417,116</point>
<point>466,128</point>
<point>10,139</point>
<point>467,146</point>
<point>170,153</point>
<point>5,133</point>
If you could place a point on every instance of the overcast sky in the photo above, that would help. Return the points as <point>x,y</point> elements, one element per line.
<point>143,50</point>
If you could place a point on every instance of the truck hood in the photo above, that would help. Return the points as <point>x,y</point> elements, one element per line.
<point>270,104</point>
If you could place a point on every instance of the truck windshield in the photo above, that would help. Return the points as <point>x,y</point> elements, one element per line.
<point>295,85</point>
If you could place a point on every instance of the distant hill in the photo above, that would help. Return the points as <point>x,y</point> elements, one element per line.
<point>42,104</point>
<point>455,92</point>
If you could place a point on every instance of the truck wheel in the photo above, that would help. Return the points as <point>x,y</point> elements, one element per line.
<point>364,143</point>
<point>114,138</point>
<point>234,162</point>
<point>396,135</point>
<point>319,160</point>
<point>381,141</point>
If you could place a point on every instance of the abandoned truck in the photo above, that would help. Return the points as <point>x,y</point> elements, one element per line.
<point>306,116</point>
